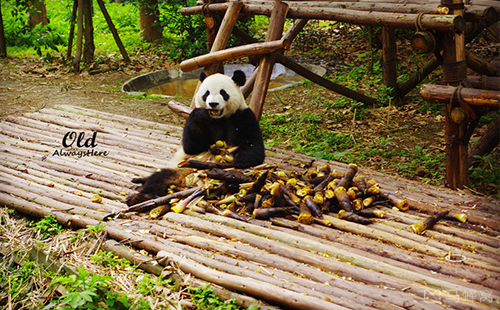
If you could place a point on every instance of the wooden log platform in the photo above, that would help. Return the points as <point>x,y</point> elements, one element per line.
<point>382,265</point>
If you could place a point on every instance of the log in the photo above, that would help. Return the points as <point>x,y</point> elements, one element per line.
<point>71,35</point>
<point>389,59</point>
<point>454,72</point>
<point>472,96</point>
<point>39,211</point>
<point>297,273</point>
<point>308,74</point>
<point>407,259</point>
<point>484,82</point>
<point>318,246</point>
<point>266,64</point>
<point>179,108</point>
<point>233,53</point>
<point>445,23</point>
<point>57,191</point>
<point>223,34</point>
<point>59,206</point>
<point>481,66</point>
<point>486,144</point>
<point>473,13</point>
<point>144,262</point>
<point>112,28</point>
<point>250,286</point>
<point>79,37</point>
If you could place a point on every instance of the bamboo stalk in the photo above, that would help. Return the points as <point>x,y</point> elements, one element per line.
<point>477,240</point>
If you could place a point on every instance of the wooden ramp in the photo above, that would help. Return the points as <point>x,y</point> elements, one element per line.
<point>351,266</point>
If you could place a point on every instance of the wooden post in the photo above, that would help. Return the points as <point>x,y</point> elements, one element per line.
<point>389,57</point>
<point>454,71</point>
<point>112,28</point>
<point>88,47</point>
<point>224,33</point>
<point>214,58</point>
<point>3,42</point>
<point>218,35</point>
<point>274,32</point>
<point>72,28</point>
<point>79,37</point>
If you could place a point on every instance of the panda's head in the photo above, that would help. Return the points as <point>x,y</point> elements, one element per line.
<point>220,94</point>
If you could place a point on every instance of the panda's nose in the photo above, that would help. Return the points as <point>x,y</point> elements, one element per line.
<point>213,104</point>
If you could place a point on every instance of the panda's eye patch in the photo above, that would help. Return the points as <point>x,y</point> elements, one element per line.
<point>224,95</point>
<point>205,95</point>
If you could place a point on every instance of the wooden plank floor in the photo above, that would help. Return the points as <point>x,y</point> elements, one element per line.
<point>351,266</point>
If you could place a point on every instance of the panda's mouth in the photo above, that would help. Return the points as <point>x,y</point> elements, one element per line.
<point>215,113</point>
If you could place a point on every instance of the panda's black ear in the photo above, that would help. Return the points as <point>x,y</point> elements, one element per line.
<point>203,76</point>
<point>239,77</point>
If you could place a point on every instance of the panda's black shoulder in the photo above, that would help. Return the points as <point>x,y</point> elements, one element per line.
<point>244,115</point>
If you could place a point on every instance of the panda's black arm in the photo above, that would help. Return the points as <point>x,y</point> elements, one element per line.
<point>248,137</point>
<point>195,136</point>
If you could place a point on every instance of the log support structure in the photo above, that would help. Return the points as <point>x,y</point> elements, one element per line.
<point>440,28</point>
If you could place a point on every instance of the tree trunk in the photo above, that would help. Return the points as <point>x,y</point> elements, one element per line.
<point>88,47</point>
<point>37,13</point>
<point>149,19</point>
<point>3,43</point>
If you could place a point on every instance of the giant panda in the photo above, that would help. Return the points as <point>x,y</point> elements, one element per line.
<point>220,114</point>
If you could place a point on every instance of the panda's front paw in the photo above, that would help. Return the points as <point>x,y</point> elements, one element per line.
<point>200,116</point>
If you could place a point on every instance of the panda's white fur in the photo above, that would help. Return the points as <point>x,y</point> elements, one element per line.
<point>213,87</point>
<point>212,91</point>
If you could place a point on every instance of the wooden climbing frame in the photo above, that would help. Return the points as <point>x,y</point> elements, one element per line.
<point>442,27</point>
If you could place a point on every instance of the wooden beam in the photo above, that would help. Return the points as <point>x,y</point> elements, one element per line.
<point>454,72</point>
<point>389,59</point>
<point>275,31</point>
<point>112,28</point>
<point>313,77</point>
<point>233,53</point>
<point>471,96</point>
<point>445,23</point>
<point>224,33</point>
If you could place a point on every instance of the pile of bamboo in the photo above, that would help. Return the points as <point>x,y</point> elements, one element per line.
<point>290,265</point>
